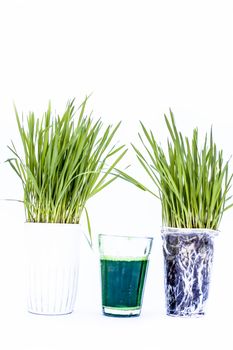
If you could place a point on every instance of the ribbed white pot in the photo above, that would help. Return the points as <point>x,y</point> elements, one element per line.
<point>52,267</point>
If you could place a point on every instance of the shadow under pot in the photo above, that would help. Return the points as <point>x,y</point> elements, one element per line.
<point>188,257</point>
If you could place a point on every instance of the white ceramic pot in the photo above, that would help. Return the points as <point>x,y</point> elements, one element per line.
<point>52,267</point>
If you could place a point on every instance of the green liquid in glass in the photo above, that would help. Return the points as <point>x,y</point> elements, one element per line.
<point>123,283</point>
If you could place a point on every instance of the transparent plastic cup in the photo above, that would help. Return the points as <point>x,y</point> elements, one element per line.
<point>188,257</point>
<point>124,262</point>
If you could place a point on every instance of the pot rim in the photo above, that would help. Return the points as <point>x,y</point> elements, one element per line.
<point>50,223</point>
<point>165,230</point>
<point>44,228</point>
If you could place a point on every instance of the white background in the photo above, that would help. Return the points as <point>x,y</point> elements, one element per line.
<point>138,58</point>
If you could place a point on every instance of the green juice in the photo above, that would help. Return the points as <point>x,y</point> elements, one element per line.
<point>123,284</point>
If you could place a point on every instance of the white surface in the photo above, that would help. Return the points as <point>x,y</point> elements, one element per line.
<point>138,58</point>
<point>87,325</point>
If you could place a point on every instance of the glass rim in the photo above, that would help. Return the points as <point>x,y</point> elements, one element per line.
<point>179,230</point>
<point>100,235</point>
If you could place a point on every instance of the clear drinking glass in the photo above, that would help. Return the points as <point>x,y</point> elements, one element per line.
<point>124,263</point>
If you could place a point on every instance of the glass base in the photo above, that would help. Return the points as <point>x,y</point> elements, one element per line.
<point>121,312</point>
